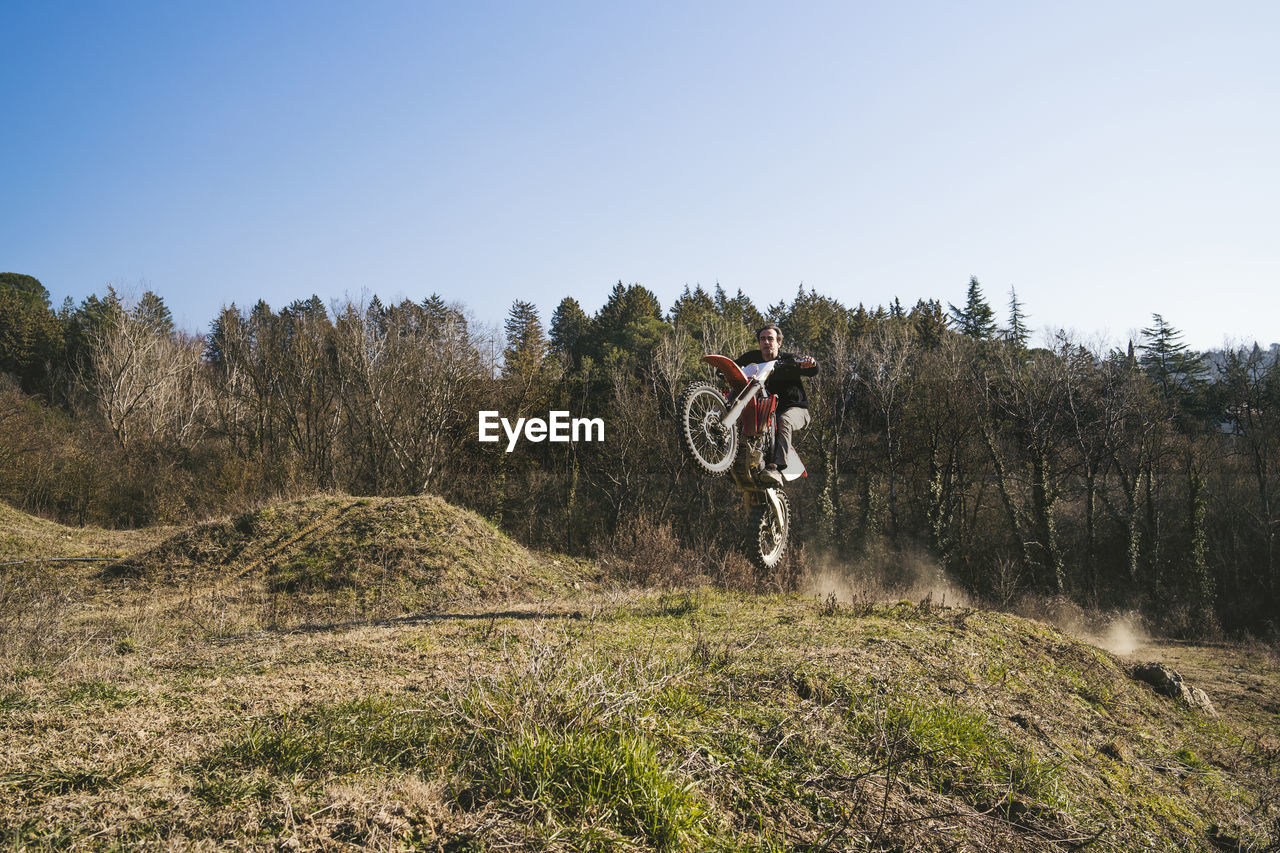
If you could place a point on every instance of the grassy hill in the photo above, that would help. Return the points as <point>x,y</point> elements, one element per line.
<point>26,537</point>
<point>354,556</point>
<point>176,702</point>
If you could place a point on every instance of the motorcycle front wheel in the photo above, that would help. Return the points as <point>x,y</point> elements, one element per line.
<point>701,409</point>
<point>767,540</point>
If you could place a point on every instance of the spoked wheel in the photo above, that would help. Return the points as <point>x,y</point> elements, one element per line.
<point>767,541</point>
<point>712,446</point>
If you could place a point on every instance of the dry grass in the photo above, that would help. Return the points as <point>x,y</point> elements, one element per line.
<point>26,537</point>
<point>169,711</point>
<point>40,592</point>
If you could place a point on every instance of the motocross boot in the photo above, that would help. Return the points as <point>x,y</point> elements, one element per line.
<point>770,476</point>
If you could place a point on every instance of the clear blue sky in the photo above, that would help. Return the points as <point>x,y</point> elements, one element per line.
<point>1107,159</point>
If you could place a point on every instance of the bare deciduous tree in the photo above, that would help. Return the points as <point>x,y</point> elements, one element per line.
<point>412,384</point>
<point>148,384</point>
<point>884,365</point>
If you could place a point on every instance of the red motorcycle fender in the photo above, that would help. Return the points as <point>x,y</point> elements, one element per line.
<point>729,370</point>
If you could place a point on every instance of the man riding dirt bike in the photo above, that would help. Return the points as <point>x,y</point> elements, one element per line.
<point>784,382</point>
<point>746,431</point>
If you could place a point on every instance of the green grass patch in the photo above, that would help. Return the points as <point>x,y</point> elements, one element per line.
<point>52,781</point>
<point>682,604</point>
<point>12,700</point>
<point>953,749</point>
<point>1188,759</point>
<point>96,691</point>
<point>347,737</point>
<point>36,834</point>
<point>309,572</point>
<point>612,779</point>
<point>222,787</point>
<point>547,759</point>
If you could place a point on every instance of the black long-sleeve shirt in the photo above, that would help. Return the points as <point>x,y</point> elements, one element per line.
<point>784,381</point>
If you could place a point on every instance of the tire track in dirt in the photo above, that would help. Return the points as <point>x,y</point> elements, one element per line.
<point>329,521</point>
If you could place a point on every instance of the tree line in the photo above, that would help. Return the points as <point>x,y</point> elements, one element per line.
<point>1135,477</point>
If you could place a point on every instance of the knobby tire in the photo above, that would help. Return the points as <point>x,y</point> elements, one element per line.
<point>766,545</point>
<point>701,407</point>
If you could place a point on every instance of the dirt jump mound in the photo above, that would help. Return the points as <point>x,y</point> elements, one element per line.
<point>411,552</point>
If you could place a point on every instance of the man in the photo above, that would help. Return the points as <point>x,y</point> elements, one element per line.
<point>793,403</point>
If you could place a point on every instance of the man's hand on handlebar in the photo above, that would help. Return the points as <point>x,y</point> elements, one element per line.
<point>797,362</point>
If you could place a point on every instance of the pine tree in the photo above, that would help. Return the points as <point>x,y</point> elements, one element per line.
<point>442,317</point>
<point>31,337</point>
<point>813,321</point>
<point>739,309</point>
<point>312,308</point>
<point>227,330</point>
<point>692,308</point>
<point>929,322</point>
<point>628,326</point>
<point>1017,333</point>
<point>91,316</point>
<point>861,323</point>
<point>570,327</point>
<point>776,312</point>
<point>155,315</point>
<point>526,344</point>
<point>1167,360</point>
<point>976,320</point>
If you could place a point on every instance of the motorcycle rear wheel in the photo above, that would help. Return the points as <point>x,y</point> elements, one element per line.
<point>767,540</point>
<point>701,408</point>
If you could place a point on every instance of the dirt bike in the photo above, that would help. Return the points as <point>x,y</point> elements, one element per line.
<point>732,431</point>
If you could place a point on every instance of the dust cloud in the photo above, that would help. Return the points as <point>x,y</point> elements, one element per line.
<point>886,576</point>
<point>1120,633</point>
<point>883,576</point>
<point>1123,638</point>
